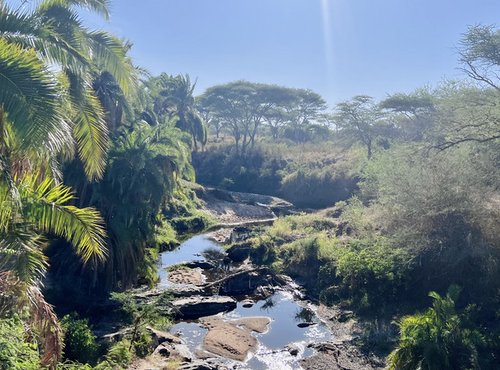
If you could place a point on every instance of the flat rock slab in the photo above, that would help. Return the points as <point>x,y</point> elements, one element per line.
<point>199,306</point>
<point>186,275</point>
<point>233,339</point>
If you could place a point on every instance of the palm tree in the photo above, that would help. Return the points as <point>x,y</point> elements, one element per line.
<point>437,339</point>
<point>173,97</point>
<point>52,34</point>
<point>29,209</point>
<point>48,60</point>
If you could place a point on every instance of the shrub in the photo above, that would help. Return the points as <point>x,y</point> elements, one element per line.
<point>119,356</point>
<point>191,224</point>
<point>79,341</point>
<point>16,351</point>
<point>372,272</point>
<point>317,188</point>
<point>440,338</point>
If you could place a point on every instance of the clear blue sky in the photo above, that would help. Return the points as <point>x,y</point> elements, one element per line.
<point>338,48</point>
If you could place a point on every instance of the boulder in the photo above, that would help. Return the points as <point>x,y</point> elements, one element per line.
<point>199,306</point>
<point>245,283</point>
<point>306,324</point>
<point>204,265</point>
<point>239,252</point>
<point>293,349</point>
<point>160,337</point>
<point>247,303</point>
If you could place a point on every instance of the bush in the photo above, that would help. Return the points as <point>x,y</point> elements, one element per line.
<point>372,273</point>
<point>191,224</point>
<point>16,351</point>
<point>317,188</point>
<point>79,341</point>
<point>440,338</point>
<point>119,356</point>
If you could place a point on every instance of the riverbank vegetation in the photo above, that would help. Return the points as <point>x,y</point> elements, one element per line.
<point>98,161</point>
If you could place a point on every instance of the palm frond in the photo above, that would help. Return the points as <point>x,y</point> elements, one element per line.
<point>21,253</point>
<point>44,319</point>
<point>45,206</point>
<point>110,54</point>
<point>100,7</point>
<point>91,134</point>
<point>29,95</point>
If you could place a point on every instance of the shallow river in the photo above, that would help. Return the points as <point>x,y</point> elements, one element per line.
<point>285,313</point>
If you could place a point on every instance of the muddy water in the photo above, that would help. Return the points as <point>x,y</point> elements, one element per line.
<point>284,311</point>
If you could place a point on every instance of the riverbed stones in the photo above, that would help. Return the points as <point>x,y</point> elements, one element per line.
<point>239,252</point>
<point>198,306</point>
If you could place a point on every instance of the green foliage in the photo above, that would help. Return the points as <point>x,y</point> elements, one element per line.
<point>243,107</point>
<point>165,236</point>
<point>372,273</point>
<point>172,96</point>
<point>140,315</point>
<point>119,356</point>
<point>16,350</point>
<point>324,187</point>
<point>191,224</point>
<point>440,338</point>
<point>79,341</point>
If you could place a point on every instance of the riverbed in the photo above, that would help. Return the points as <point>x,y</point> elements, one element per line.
<point>281,346</point>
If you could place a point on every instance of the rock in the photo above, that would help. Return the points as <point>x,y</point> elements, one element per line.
<point>227,339</point>
<point>160,337</point>
<point>199,365</point>
<point>264,292</point>
<point>306,324</point>
<point>186,276</point>
<point>163,350</point>
<point>245,283</point>
<point>182,352</point>
<point>239,234</point>
<point>247,303</point>
<point>239,252</point>
<point>187,291</point>
<point>199,306</point>
<point>345,316</point>
<point>204,265</point>
<point>293,349</point>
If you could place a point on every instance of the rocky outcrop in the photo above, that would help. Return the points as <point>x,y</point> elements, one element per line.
<point>199,306</point>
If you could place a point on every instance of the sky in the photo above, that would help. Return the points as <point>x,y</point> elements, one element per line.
<point>338,48</point>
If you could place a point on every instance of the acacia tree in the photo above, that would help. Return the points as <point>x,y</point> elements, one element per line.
<point>243,107</point>
<point>471,114</point>
<point>240,106</point>
<point>413,114</point>
<point>361,120</point>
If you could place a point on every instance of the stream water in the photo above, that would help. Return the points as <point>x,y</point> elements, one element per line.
<point>284,311</point>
